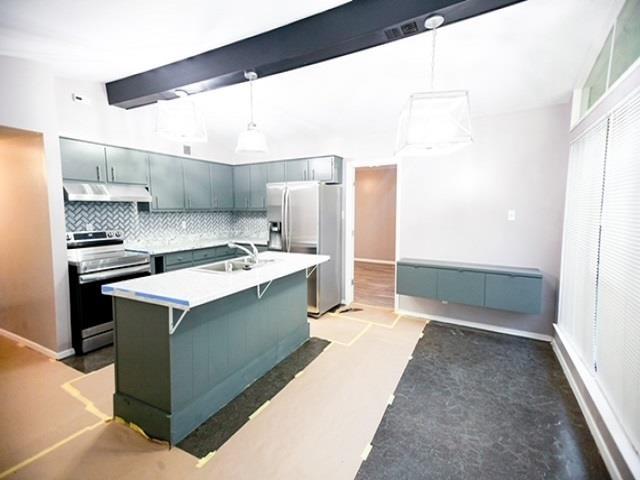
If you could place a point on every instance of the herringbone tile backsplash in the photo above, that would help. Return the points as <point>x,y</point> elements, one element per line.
<point>137,225</point>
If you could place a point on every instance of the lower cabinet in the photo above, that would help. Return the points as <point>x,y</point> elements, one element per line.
<point>502,288</point>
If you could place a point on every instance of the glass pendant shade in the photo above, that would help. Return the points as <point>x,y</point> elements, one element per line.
<point>251,140</point>
<point>434,123</point>
<point>181,121</point>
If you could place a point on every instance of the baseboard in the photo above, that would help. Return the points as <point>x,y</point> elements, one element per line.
<point>373,260</point>
<point>36,346</point>
<point>478,326</point>
<point>602,409</point>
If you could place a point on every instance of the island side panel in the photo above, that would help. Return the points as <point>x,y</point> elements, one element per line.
<point>224,346</point>
<point>169,385</point>
<point>142,365</point>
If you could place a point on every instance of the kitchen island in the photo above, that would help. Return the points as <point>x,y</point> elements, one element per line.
<point>188,342</point>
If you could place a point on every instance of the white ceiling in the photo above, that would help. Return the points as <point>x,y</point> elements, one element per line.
<point>525,56</point>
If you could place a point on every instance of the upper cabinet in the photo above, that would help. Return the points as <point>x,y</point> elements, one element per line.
<point>242,187</point>
<point>167,184</point>
<point>222,186</point>
<point>258,187</point>
<point>197,185</point>
<point>275,172</point>
<point>319,169</point>
<point>83,161</point>
<point>127,166</point>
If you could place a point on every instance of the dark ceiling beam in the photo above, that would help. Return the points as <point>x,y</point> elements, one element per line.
<point>349,28</point>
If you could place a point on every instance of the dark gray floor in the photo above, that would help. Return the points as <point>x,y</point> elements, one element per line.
<point>476,405</point>
<point>93,360</point>
<point>212,434</point>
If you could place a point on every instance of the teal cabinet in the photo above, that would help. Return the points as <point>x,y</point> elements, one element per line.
<point>206,255</point>
<point>125,165</point>
<point>461,286</point>
<point>167,182</point>
<point>222,186</point>
<point>275,172</point>
<point>83,161</point>
<point>197,185</point>
<point>296,170</point>
<point>242,187</point>
<point>514,293</point>
<point>503,288</point>
<point>417,281</point>
<point>322,169</point>
<point>258,196</point>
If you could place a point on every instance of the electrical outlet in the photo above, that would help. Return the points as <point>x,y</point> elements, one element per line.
<point>184,225</point>
<point>511,215</point>
<point>88,227</point>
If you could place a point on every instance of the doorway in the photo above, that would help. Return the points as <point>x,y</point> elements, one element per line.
<point>375,235</point>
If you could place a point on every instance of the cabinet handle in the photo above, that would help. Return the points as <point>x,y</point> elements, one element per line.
<point>113,174</point>
<point>313,174</point>
<point>305,175</point>
<point>155,198</point>
<point>98,171</point>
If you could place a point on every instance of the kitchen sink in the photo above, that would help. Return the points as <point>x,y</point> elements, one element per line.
<point>234,266</point>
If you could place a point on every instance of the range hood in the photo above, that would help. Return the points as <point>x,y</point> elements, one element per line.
<point>105,192</point>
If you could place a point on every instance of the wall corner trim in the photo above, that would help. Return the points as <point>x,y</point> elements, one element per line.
<point>593,404</point>
<point>36,346</point>
<point>478,326</point>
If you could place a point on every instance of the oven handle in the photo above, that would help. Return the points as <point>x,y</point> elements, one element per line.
<point>119,272</point>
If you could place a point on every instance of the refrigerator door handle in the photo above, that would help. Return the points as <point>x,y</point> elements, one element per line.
<point>283,218</point>
<point>289,227</point>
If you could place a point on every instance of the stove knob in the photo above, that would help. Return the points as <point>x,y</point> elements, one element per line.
<point>117,234</point>
<point>110,234</point>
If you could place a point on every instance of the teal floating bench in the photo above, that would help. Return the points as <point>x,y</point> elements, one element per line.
<point>490,286</point>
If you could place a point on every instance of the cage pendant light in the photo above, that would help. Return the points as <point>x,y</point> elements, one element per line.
<point>434,122</point>
<point>251,140</point>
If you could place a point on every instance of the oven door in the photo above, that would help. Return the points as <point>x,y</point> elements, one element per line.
<point>92,317</point>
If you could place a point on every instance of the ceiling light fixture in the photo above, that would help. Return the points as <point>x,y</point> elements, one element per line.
<point>434,122</point>
<point>180,120</point>
<point>252,140</point>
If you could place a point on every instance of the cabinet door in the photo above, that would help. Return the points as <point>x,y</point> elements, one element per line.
<point>461,286</point>
<point>241,187</point>
<point>275,172</point>
<point>222,184</point>
<point>296,170</point>
<point>82,161</point>
<point>321,169</point>
<point>167,182</point>
<point>197,184</point>
<point>514,293</point>
<point>127,166</point>
<point>258,186</point>
<point>416,281</point>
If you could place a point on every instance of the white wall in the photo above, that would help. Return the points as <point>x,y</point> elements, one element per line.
<point>455,208</point>
<point>102,123</point>
<point>27,101</point>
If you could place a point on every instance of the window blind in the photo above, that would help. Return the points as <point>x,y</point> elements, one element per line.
<point>618,313</point>
<point>579,270</point>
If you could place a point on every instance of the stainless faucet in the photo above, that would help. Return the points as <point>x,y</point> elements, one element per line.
<point>252,254</point>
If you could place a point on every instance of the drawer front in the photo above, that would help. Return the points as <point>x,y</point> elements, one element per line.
<point>416,281</point>
<point>204,255</point>
<point>461,286</point>
<point>226,252</point>
<point>178,258</point>
<point>514,293</point>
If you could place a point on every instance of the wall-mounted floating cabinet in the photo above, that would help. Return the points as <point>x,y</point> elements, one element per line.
<point>198,190</point>
<point>222,186</point>
<point>166,182</point>
<point>125,165</point>
<point>502,288</point>
<point>83,161</point>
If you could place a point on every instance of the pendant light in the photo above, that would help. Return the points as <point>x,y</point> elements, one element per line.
<point>252,140</point>
<point>434,122</point>
<point>180,119</point>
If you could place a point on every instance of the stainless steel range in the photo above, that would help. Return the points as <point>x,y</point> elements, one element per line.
<point>96,258</point>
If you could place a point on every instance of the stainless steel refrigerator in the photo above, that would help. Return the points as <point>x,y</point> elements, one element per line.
<point>306,217</point>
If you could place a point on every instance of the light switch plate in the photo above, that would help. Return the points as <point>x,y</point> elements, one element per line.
<point>511,215</point>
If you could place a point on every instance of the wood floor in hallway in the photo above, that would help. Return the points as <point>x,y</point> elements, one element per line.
<point>374,284</point>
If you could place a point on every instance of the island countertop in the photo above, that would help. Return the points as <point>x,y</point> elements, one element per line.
<point>191,287</point>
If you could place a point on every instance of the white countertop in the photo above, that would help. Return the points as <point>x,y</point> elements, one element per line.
<point>180,245</point>
<point>190,287</point>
